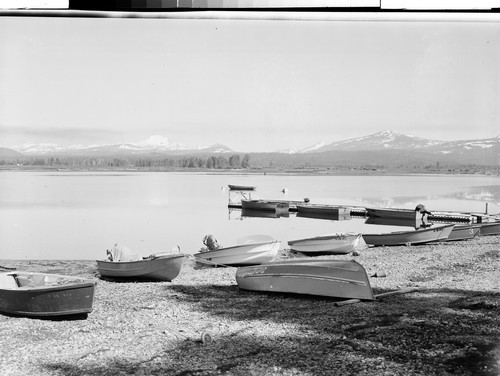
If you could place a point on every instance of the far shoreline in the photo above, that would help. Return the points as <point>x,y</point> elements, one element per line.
<point>254,171</point>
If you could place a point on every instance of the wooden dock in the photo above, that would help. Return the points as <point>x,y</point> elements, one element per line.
<point>360,212</point>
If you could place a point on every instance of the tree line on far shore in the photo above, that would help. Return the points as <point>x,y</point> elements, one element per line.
<point>213,162</point>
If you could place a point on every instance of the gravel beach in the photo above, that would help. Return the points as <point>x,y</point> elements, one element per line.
<point>449,326</point>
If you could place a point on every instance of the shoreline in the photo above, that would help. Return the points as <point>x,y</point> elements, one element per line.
<point>450,325</point>
<point>256,171</point>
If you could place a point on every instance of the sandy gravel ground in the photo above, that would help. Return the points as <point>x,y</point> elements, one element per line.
<point>450,326</point>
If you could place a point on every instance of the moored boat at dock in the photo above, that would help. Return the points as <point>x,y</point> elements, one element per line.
<point>325,211</point>
<point>234,187</point>
<point>272,205</point>
<point>265,213</point>
<point>405,214</point>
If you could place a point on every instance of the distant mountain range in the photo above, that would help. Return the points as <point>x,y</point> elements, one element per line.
<point>389,140</point>
<point>382,147</point>
<point>154,144</point>
<point>9,153</point>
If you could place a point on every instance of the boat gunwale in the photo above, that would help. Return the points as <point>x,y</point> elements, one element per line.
<point>420,230</point>
<point>146,260</point>
<point>71,282</point>
<point>318,263</point>
<point>307,276</point>
<point>49,288</point>
<point>324,237</point>
<point>50,314</point>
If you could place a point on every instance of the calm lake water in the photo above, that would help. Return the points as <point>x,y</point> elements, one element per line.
<point>78,215</point>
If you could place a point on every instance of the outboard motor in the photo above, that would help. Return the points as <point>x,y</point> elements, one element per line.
<point>211,242</point>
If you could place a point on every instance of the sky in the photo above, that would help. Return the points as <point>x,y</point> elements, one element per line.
<point>252,85</point>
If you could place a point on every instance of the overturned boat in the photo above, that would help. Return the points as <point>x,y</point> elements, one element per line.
<point>45,295</point>
<point>330,278</point>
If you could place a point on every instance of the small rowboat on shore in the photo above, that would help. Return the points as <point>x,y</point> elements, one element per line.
<point>159,267</point>
<point>489,228</point>
<point>250,253</point>
<point>45,295</point>
<point>264,205</point>
<point>463,232</point>
<point>336,244</point>
<point>330,278</point>
<point>420,236</point>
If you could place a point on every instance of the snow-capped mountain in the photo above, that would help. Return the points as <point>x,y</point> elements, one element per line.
<point>154,144</point>
<point>385,147</point>
<point>385,140</point>
<point>388,145</point>
<point>488,144</point>
<point>313,148</point>
<point>308,149</point>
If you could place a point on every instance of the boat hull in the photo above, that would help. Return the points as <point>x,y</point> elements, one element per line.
<point>340,244</point>
<point>329,278</point>
<point>51,296</point>
<point>402,222</point>
<point>246,254</point>
<point>340,217</point>
<point>264,205</point>
<point>233,187</point>
<point>392,213</point>
<point>324,211</point>
<point>265,213</point>
<point>486,228</point>
<point>420,236</point>
<point>164,268</point>
<point>463,232</point>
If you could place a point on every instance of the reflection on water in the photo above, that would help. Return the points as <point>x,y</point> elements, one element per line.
<point>486,194</point>
<point>278,213</point>
<point>330,217</point>
<point>469,199</point>
<point>78,215</point>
